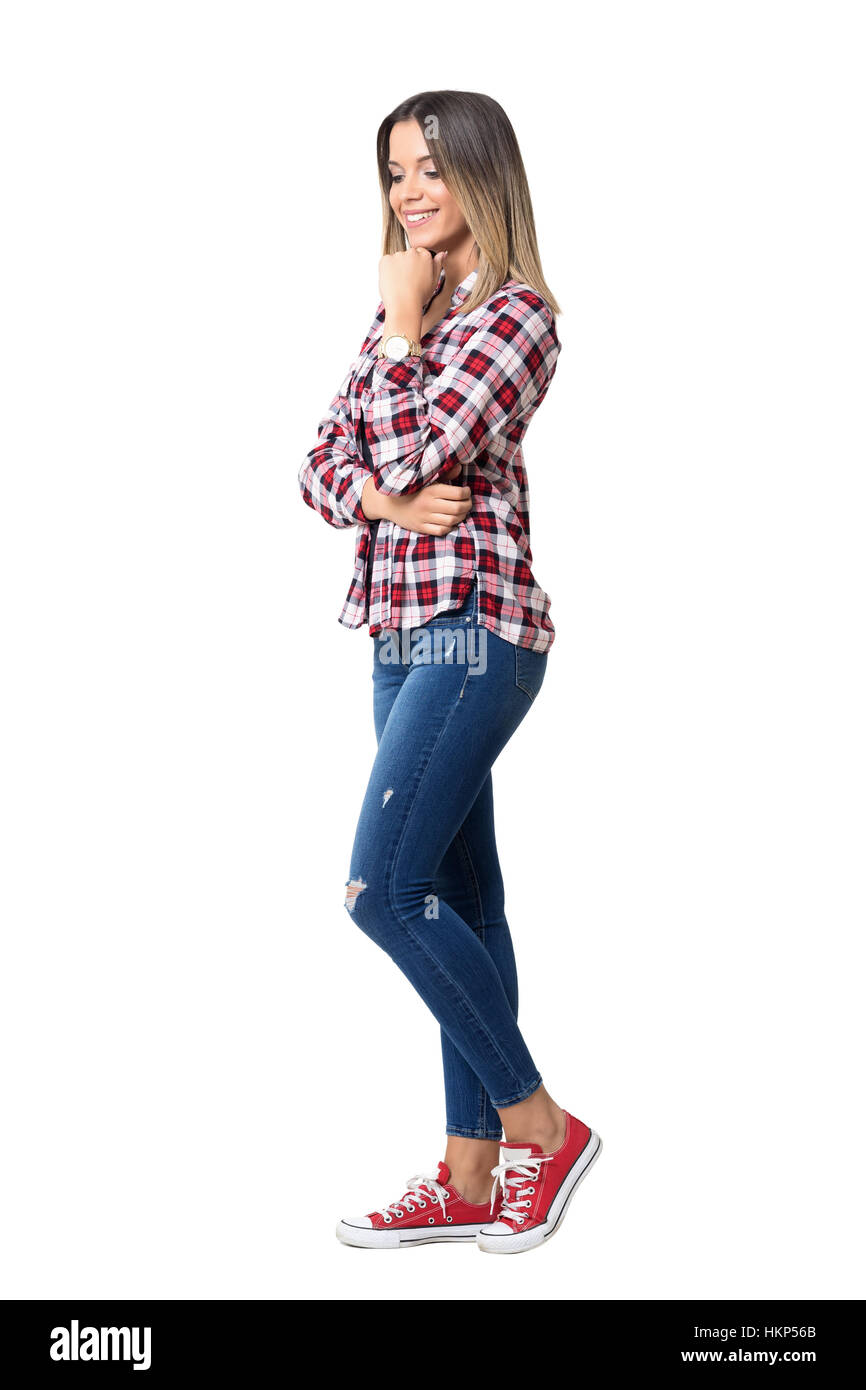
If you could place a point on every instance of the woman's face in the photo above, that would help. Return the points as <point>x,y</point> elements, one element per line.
<point>418,196</point>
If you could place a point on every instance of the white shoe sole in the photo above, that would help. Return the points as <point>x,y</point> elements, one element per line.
<point>365,1238</point>
<point>515,1244</point>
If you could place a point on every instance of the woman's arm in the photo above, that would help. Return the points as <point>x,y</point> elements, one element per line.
<point>433,511</point>
<point>336,482</point>
<point>333,474</point>
<point>500,373</point>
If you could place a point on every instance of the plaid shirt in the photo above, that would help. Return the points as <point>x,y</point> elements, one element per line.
<point>470,397</point>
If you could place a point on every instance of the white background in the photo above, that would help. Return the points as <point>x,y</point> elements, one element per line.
<point>205,1063</point>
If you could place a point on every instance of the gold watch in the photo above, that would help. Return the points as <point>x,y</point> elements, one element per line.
<point>397,346</point>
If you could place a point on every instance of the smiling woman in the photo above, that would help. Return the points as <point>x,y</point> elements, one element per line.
<point>422,450</point>
<point>431,216</point>
<point>452,175</point>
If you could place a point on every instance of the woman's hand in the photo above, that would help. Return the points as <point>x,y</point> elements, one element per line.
<point>431,511</point>
<point>407,279</point>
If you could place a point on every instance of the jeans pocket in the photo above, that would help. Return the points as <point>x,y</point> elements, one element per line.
<point>529,669</point>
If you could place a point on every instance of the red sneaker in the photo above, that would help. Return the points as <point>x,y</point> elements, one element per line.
<point>537,1188</point>
<point>430,1210</point>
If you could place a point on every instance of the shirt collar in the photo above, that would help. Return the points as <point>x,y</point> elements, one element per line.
<point>461,291</point>
<point>464,288</point>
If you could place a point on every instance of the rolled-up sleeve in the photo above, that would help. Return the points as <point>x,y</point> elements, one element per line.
<point>333,474</point>
<point>417,429</point>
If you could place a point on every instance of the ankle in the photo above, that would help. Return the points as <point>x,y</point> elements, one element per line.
<point>473,1187</point>
<point>470,1162</point>
<point>547,1130</point>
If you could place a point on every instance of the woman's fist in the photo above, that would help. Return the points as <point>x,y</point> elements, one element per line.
<point>409,277</point>
<point>431,511</point>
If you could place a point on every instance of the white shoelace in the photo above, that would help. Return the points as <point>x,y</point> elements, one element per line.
<point>418,1189</point>
<point>525,1173</point>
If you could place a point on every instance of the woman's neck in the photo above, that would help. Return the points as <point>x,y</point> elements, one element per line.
<point>458,263</point>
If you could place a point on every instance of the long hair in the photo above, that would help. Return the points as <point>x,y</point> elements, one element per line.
<point>478,159</point>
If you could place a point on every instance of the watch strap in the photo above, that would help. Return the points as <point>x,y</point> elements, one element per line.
<point>414,348</point>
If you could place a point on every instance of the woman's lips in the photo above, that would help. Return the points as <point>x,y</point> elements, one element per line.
<point>419,219</point>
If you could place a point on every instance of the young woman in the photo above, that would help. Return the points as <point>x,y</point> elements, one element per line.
<point>421,449</point>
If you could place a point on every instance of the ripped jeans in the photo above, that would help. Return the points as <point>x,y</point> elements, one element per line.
<point>425,882</point>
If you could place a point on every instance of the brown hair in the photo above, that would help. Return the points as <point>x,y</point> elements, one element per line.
<point>478,159</point>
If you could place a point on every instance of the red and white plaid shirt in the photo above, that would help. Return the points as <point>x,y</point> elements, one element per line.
<point>470,397</point>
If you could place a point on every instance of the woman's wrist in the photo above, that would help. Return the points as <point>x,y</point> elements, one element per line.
<point>372,502</point>
<point>402,316</point>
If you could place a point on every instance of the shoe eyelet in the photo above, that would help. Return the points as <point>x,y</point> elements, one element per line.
<point>431,1220</point>
<point>521,1219</point>
<point>388,1220</point>
<point>449,1218</point>
<point>422,1205</point>
<point>530,1189</point>
<point>409,1208</point>
<point>400,1213</point>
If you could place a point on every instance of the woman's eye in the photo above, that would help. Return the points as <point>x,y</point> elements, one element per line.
<point>431,174</point>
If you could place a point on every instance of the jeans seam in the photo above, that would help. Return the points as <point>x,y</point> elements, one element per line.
<point>484,1122</point>
<point>460,1133</point>
<point>517,680</point>
<point>519,1096</point>
<point>463,850</point>
<point>465,855</point>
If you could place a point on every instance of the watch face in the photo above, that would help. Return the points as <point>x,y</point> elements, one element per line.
<point>397,347</point>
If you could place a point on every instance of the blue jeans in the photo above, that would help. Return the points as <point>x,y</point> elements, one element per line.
<point>425,882</point>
